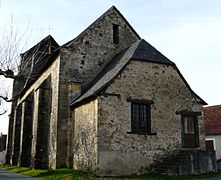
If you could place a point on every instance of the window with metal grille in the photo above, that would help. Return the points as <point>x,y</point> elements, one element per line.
<point>140,117</point>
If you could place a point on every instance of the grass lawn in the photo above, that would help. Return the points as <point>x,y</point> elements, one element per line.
<point>69,174</point>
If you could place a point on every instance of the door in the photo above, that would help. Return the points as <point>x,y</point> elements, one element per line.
<point>190,135</point>
<point>209,145</point>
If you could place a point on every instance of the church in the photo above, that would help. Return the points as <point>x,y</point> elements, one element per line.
<point>107,102</point>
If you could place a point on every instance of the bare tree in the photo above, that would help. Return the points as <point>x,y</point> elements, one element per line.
<point>9,51</point>
<point>16,67</point>
<point>12,43</point>
<point>8,60</point>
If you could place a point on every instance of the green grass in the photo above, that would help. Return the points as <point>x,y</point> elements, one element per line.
<point>63,173</point>
<point>70,174</point>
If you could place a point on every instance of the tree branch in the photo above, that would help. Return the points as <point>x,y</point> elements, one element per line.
<point>3,112</point>
<point>8,74</point>
<point>6,98</point>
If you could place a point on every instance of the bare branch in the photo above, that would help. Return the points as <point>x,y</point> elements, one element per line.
<point>14,65</point>
<point>3,112</point>
<point>6,99</point>
<point>9,74</point>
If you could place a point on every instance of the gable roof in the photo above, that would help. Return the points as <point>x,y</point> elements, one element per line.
<point>147,52</point>
<point>41,61</point>
<point>212,117</point>
<point>113,8</point>
<point>108,73</point>
<point>140,50</point>
<point>48,39</point>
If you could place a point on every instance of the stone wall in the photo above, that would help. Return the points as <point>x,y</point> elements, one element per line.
<point>86,54</point>
<point>185,161</point>
<point>2,157</point>
<point>85,137</point>
<point>83,57</point>
<point>43,117</point>
<point>121,152</point>
<point>80,61</point>
<point>26,131</point>
<point>53,72</point>
<point>10,138</point>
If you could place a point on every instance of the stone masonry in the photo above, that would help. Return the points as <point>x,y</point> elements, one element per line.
<point>73,104</point>
<point>118,150</point>
<point>163,85</point>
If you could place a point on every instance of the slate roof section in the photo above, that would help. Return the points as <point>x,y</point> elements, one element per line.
<point>212,117</point>
<point>140,50</point>
<point>107,74</point>
<point>48,39</point>
<point>113,8</point>
<point>147,52</point>
<point>41,61</point>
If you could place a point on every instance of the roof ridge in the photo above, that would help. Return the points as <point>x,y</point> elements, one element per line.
<point>48,37</point>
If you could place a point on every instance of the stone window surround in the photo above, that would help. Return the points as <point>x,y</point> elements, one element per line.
<point>144,102</point>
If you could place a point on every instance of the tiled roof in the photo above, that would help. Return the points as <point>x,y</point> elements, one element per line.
<point>212,116</point>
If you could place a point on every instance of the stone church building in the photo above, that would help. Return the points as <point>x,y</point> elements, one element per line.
<point>106,102</point>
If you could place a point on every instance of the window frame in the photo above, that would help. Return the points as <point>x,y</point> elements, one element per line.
<point>147,104</point>
<point>184,134</point>
<point>189,127</point>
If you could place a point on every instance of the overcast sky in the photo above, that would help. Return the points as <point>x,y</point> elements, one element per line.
<point>187,32</point>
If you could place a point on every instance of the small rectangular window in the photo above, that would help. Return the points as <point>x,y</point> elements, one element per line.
<point>115,34</point>
<point>140,117</point>
<point>189,125</point>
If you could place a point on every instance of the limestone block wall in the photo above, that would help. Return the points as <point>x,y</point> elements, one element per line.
<point>121,152</point>
<point>52,71</point>
<point>85,137</point>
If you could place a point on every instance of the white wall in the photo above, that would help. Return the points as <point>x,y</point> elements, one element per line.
<point>217,144</point>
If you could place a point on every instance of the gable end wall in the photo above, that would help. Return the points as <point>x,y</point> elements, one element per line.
<point>81,61</point>
<point>123,153</point>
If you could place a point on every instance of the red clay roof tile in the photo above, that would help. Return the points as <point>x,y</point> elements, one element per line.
<point>212,116</point>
